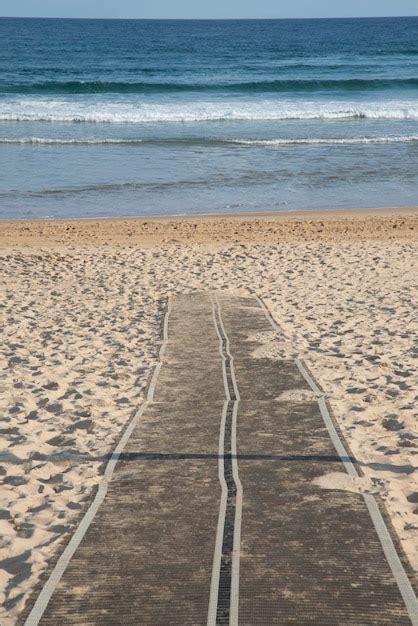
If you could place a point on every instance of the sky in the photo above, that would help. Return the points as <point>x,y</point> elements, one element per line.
<point>188,9</point>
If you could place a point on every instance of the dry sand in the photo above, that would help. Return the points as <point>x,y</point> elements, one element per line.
<point>81,311</point>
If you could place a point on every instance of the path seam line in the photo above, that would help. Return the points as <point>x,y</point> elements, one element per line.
<point>404,584</point>
<point>217,556</point>
<point>234,604</point>
<point>51,584</point>
<point>225,565</point>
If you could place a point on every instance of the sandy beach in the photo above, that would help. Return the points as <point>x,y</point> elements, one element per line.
<point>81,308</point>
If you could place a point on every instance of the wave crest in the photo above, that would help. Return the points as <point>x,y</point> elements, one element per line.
<point>261,86</point>
<point>313,141</point>
<point>52,141</point>
<point>133,112</point>
<point>326,141</point>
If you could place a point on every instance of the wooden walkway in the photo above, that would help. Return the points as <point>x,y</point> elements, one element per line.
<point>211,516</point>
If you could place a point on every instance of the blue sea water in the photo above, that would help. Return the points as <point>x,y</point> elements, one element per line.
<point>132,117</point>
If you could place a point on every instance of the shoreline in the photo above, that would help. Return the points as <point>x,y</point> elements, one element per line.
<point>239,214</point>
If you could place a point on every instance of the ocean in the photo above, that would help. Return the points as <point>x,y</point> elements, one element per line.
<point>143,117</point>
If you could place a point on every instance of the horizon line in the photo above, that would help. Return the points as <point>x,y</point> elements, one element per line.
<point>204,19</point>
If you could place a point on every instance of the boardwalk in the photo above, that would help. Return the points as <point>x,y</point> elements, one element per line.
<point>211,516</point>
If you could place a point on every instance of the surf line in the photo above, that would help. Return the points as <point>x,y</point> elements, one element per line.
<point>224,592</point>
<point>51,584</point>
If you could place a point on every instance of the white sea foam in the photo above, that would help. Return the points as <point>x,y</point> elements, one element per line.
<point>66,142</point>
<point>51,141</point>
<point>64,110</point>
<point>325,141</point>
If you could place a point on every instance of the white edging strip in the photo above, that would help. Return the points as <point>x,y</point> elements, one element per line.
<point>312,384</point>
<point>404,584</point>
<point>228,351</point>
<point>236,553</point>
<point>236,550</point>
<point>224,376</point>
<point>48,589</point>
<point>217,556</point>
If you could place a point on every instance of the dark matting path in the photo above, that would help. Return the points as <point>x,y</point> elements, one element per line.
<point>211,516</point>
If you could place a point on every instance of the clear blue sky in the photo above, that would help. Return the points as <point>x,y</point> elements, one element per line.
<point>211,9</point>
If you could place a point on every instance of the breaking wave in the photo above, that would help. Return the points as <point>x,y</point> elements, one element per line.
<point>326,141</point>
<point>143,113</point>
<point>314,141</point>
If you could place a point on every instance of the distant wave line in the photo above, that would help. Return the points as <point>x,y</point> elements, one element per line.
<point>67,142</point>
<point>47,141</point>
<point>145,186</point>
<point>326,141</point>
<point>266,86</point>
